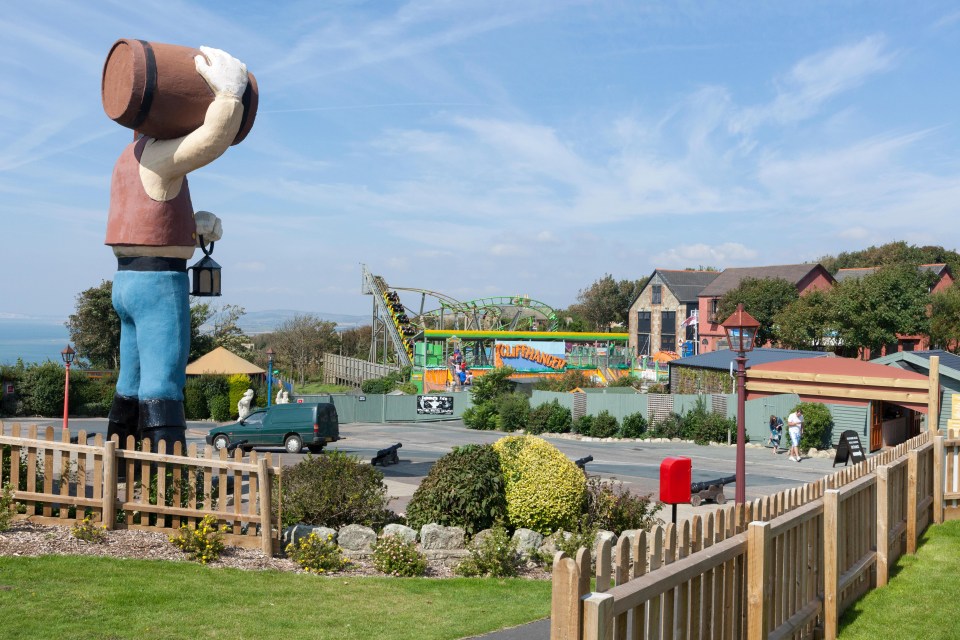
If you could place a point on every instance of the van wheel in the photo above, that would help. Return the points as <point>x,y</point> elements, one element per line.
<point>293,444</point>
<point>316,448</point>
<point>221,442</point>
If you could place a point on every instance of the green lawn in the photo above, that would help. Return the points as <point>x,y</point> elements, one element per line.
<point>917,602</point>
<point>77,597</point>
<point>319,387</point>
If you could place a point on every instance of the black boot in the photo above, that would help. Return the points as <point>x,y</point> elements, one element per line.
<point>123,419</point>
<point>163,420</point>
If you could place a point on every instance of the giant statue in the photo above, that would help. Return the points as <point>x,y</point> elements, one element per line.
<point>186,107</point>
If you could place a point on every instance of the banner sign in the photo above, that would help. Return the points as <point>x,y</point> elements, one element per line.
<point>435,405</point>
<point>531,356</point>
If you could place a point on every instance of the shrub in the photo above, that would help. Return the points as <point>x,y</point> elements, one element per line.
<point>220,408</point>
<point>204,543</point>
<point>41,389</point>
<point>583,425</point>
<point>491,385</point>
<point>604,425</point>
<point>334,489</point>
<point>609,506</point>
<point>317,555</point>
<point>464,488</point>
<point>395,556</point>
<point>482,417</point>
<point>89,532</point>
<point>549,417</point>
<point>544,489</point>
<point>494,555</point>
<point>626,381</point>
<point>634,426</point>
<point>669,427</point>
<point>817,425</point>
<point>513,411</point>
<point>583,536</point>
<point>194,400</point>
<point>7,507</point>
<point>239,383</point>
<point>574,379</point>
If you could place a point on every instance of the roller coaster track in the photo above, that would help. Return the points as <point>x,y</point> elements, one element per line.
<point>390,318</point>
<point>506,312</point>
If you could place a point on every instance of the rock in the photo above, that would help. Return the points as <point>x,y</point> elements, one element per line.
<point>297,532</point>
<point>408,534</point>
<point>527,541</point>
<point>480,536</point>
<point>355,537</point>
<point>435,536</point>
<point>447,557</point>
<point>604,535</point>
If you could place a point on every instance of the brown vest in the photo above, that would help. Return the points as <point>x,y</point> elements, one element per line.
<point>136,219</point>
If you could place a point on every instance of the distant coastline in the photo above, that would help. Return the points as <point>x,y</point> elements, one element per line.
<point>32,340</point>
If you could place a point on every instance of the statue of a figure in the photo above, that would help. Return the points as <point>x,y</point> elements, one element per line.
<point>153,231</point>
<point>243,407</point>
<point>279,398</point>
<point>285,398</point>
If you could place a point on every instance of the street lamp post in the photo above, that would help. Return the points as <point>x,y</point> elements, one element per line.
<point>68,355</point>
<point>741,329</point>
<point>269,376</point>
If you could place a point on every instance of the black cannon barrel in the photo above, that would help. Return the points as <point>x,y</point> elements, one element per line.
<point>700,486</point>
<point>386,456</point>
<point>233,445</point>
<point>582,462</point>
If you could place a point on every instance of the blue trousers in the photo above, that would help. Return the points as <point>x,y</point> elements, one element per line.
<point>154,310</point>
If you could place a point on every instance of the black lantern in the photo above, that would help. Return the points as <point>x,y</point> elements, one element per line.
<point>68,355</point>
<point>206,274</point>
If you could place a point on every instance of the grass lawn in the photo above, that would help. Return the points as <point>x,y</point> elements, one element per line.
<point>65,597</point>
<point>916,603</point>
<point>319,387</point>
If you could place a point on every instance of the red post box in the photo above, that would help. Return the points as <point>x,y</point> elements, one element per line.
<point>675,475</point>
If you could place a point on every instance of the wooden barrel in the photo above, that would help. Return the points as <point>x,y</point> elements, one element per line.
<point>154,88</point>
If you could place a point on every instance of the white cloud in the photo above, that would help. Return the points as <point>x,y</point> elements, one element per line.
<point>728,254</point>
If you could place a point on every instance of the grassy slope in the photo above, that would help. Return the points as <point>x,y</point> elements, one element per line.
<point>75,597</point>
<point>916,601</point>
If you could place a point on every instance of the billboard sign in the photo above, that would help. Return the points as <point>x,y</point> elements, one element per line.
<point>435,405</point>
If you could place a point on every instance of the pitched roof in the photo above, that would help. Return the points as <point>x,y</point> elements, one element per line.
<point>221,360</point>
<point>686,285</point>
<point>724,358</point>
<point>859,272</point>
<point>730,279</point>
<point>840,367</point>
<point>919,361</point>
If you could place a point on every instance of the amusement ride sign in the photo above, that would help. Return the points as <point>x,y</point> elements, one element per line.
<point>531,356</point>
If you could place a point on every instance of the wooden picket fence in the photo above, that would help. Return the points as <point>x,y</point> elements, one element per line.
<point>784,566</point>
<point>59,482</point>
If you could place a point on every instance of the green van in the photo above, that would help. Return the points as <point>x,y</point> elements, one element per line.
<point>292,426</point>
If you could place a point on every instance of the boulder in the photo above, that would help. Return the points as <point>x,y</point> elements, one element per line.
<point>447,557</point>
<point>527,541</point>
<point>480,536</point>
<point>435,536</point>
<point>408,534</point>
<point>295,533</point>
<point>357,538</point>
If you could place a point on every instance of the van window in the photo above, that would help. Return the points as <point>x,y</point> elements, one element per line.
<point>254,418</point>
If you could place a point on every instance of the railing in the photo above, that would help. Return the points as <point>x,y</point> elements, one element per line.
<point>783,566</point>
<point>59,482</point>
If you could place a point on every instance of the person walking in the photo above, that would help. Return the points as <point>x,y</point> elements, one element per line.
<point>795,428</point>
<point>776,433</point>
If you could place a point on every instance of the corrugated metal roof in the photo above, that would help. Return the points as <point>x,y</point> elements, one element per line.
<point>860,272</point>
<point>686,285</point>
<point>730,279</point>
<point>902,359</point>
<point>723,359</point>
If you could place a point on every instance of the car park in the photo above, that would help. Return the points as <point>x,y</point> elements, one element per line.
<point>291,426</point>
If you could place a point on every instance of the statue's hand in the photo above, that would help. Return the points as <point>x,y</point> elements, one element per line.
<point>209,226</point>
<point>226,75</point>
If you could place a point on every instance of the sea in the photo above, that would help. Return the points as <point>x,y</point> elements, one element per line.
<point>32,340</point>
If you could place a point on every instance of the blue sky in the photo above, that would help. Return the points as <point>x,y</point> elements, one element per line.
<point>495,148</point>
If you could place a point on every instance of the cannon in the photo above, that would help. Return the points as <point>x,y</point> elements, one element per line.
<point>582,462</point>
<point>709,490</point>
<point>386,456</point>
<point>233,446</point>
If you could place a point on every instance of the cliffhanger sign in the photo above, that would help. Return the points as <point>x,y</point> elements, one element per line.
<point>435,405</point>
<point>531,356</point>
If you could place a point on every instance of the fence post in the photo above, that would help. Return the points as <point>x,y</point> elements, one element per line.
<point>266,512</point>
<point>109,510</point>
<point>883,525</point>
<point>912,462</point>
<point>759,582</point>
<point>938,480</point>
<point>831,562</point>
<point>565,600</point>
<point>598,617</point>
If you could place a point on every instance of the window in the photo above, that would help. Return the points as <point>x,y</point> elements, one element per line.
<point>668,330</point>
<point>643,333</point>
<point>656,293</point>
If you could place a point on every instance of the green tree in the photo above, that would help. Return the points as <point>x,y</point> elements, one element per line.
<point>763,298</point>
<point>95,327</point>
<point>869,312</point>
<point>945,318</point>
<point>490,386</point>
<point>806,323</point>
<point>607,301</point>
<point>212,327</point>
<point>355,342</point>
<point>892,253</point>
<point>301,341</point>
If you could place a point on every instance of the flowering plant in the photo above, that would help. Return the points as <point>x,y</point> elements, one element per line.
<point>89,532</point>
<point>204,542</point>
<point>317,555</point>
<point>395,556</point>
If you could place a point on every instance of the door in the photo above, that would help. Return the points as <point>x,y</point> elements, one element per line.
<point>876,424</point>
<point>252,428</point>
